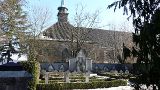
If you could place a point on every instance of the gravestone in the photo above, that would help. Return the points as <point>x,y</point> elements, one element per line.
<point>72,64</point>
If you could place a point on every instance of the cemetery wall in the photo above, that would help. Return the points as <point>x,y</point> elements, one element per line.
<point>95,66</point>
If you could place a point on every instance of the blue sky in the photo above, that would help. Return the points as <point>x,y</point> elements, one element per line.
<point>107,17</point>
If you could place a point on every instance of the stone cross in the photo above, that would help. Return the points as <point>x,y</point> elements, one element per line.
<point>62,3</point>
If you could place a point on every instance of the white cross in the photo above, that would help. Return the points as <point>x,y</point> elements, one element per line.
<point>62,3</point>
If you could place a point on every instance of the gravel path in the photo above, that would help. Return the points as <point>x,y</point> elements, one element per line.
<point>116,88</point>
<point>112,88</point>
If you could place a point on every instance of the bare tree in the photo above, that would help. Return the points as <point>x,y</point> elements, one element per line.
<point>38,20</point>
<point>121,38</point>
<point>84,23</point>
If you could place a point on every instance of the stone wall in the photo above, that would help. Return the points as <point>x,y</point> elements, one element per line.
<point>109,67</point>
<point>95,67</point>
<point>55,66</point>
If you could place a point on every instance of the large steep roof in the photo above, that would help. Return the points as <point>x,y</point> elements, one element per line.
<point>108,38</point>
<point>105,38</point>
<point>59,31</point>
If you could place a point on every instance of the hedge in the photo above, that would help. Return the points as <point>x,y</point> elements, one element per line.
<point>90,85</point>
<point>32,67</point>
<point>51,81</point>
<point>76,80</point>
<point>119,76</point>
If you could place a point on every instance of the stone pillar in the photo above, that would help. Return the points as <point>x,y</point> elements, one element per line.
<point>46,78</point>
<point>87,77</point>
<point>66,77</point>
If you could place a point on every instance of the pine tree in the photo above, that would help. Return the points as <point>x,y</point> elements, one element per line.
<point>13,22</point>
<point>146,20</point>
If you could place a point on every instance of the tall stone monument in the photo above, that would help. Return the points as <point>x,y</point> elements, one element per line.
<point>80,63</point>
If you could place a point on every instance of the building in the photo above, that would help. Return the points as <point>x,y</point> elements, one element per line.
<point>60,42</point>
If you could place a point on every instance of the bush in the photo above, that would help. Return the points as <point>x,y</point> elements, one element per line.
<point>90,85</point>
<point>32,67</point>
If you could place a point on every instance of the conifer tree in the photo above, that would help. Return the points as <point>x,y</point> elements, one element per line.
<point>13,22</point>
<point>146,21</point>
